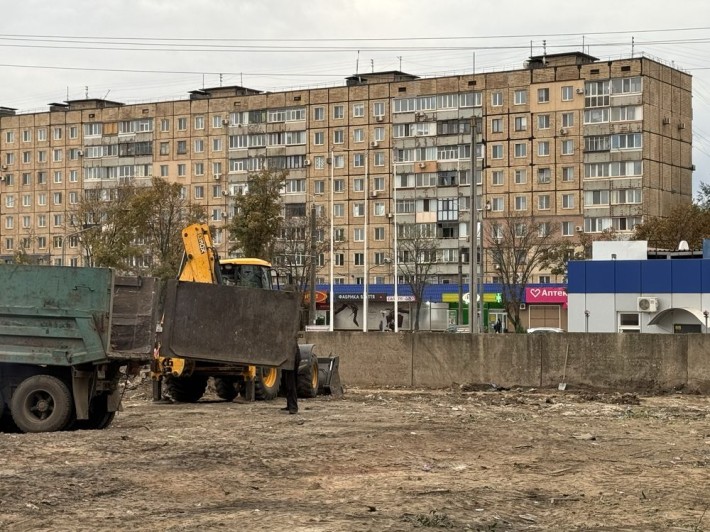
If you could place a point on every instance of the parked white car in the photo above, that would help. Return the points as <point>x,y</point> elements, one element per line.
<point>545,330</point>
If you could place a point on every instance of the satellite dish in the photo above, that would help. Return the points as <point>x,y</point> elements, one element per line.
<point>683,245</point>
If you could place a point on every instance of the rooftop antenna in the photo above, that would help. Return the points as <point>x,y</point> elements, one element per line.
<point>203,81</point>
<point>544,52</point>
<point>67,92</point>
<point>400,62</point>
<point>357,63</point>
<point>220,79</point>
<point>86,92</point>
<point>632,46</point>
<point>372,65</point>
<point>582,43</point>
<point>106,95</point>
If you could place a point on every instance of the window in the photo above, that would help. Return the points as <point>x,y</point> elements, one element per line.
<point>338,136</point>
<point>497,99</point>
<point>9,200</point>
<point>57,198</point>
<point>358,110</point>
<point>339,161</point>
<point>199,122</point>
<point>41,135</point>
<point>378,109</point>
<point>543,95</point>
<point>339,259</point>
<point>521,203</point>
<point>57,133</point>
<point>543,121</point>
<point>544,175</point>
<point>319,162</point>
<point>497,204</point>
<point>567,147</point>
<point>164,125</point>
<point>216,144</point>
<point>339,185</point>
<point>319,186</point>
<point>630,141</point>
<point>182,124</point>
<point>567,173</point>
<point>520,149</point>
<point>199,169</point>
<point>520,97</point>
<point>625,114</point>
<point>543,148</point>
<point>521,176</point>
<point>497,177</point>
<point>497,125</point>
<point>319,138</point>
<point>626,196</point>
<point>379,134</point>
<point>358,184</point>
<point>359,135</point>
<point>597,143</point>
<point>543,202</point>
<point>10,137</point>
<point>596,116</point>
<point>182,170</point>
<point>521,123</point>
<point>27,135</point>
<point>199,145</point>
<point>379,158</point>
<point>626,85</point>
<point>217,122</point>
<point>338,112</point>
<point>359,259</point>
<point>629,322</point>
<point>358,234</point>
<point>199,192</point>
<point>567,93</point>
<point>379,233</point>
<point>568,201</point>
<point>567,119</point>
<point>359,160</point>
<point>596,197</point>
<point>164,172</point>
<point>567,228</point>
<point>181,147</point>
<point>338,210</point>
<point>497,151</point>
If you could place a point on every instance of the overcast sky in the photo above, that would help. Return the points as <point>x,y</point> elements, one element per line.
<point>147,50</point>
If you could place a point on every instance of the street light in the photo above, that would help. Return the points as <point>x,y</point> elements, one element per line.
<point>706,313</point>
<point>87,227</point>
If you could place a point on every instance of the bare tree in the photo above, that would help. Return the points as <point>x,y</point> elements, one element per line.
<point>519,246</point>
<point>301,245</point>
<point>417,248</point>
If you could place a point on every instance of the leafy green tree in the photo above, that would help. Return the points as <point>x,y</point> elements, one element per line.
<point>161,212</point>
<point>685,222</point>
<point>257,220</point>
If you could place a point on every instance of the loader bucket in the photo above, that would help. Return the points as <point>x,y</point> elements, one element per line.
<point>329,376</point>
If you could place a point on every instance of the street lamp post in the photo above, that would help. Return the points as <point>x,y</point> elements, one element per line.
<point>75,233</point>
<point>312,281</point>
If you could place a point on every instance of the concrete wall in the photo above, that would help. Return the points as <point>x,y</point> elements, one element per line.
<point>436,360</point>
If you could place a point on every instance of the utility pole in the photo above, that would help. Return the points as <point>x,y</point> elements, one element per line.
<point>312,282</point>
<point>473,236</point>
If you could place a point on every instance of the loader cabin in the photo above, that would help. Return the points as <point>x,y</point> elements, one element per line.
<point>247,272</point>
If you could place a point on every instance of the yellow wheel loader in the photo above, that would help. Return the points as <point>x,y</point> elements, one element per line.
<point>253,321</point>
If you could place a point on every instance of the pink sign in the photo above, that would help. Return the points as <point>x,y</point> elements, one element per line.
<point>545,295</point>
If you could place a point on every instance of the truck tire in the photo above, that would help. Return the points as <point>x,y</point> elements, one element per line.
<point>186,389</point>
<point>307,379</point>
<point>225,388</point>
<point>266,384</point>
<point>99,416</point>
<point>41,403</point>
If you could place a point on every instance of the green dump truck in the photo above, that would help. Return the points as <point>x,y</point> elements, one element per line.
<point>65,334</point>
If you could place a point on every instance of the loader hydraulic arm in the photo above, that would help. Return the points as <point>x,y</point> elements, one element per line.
<point>200,263</point>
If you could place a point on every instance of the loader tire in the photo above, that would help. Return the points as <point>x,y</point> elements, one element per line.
<point>266,384</point>
<point>307,380</point>
<point>186,389</point>
<point>225,388</point>
<point>41,403</point>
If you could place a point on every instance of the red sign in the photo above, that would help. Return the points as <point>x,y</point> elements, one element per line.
<point>321,297</point>
<point>545,295</point>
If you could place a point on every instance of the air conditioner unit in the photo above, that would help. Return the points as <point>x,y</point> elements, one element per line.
<point>580,91</point>
<point>4,167</point>
<point>374,144</point>
<point>216,177</point>
<point>579,229</point>
<point>666,121</point>
<point>329,160</point>
<point>422,165</point>
<point>225,121</point>
<point>80,152</point>
<point>681,125</point>
<point>522,306</point>
<point>380,118</point>
<point>225,193</point>
<point>390,215</point>
<point>563,132</point>
<point>373,194</point>
<point>647,304</point>
<point>307,162</point>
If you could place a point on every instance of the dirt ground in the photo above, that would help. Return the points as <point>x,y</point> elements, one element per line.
<point>382,459</point>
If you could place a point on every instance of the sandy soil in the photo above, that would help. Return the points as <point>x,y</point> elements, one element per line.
<point>374,460</point>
